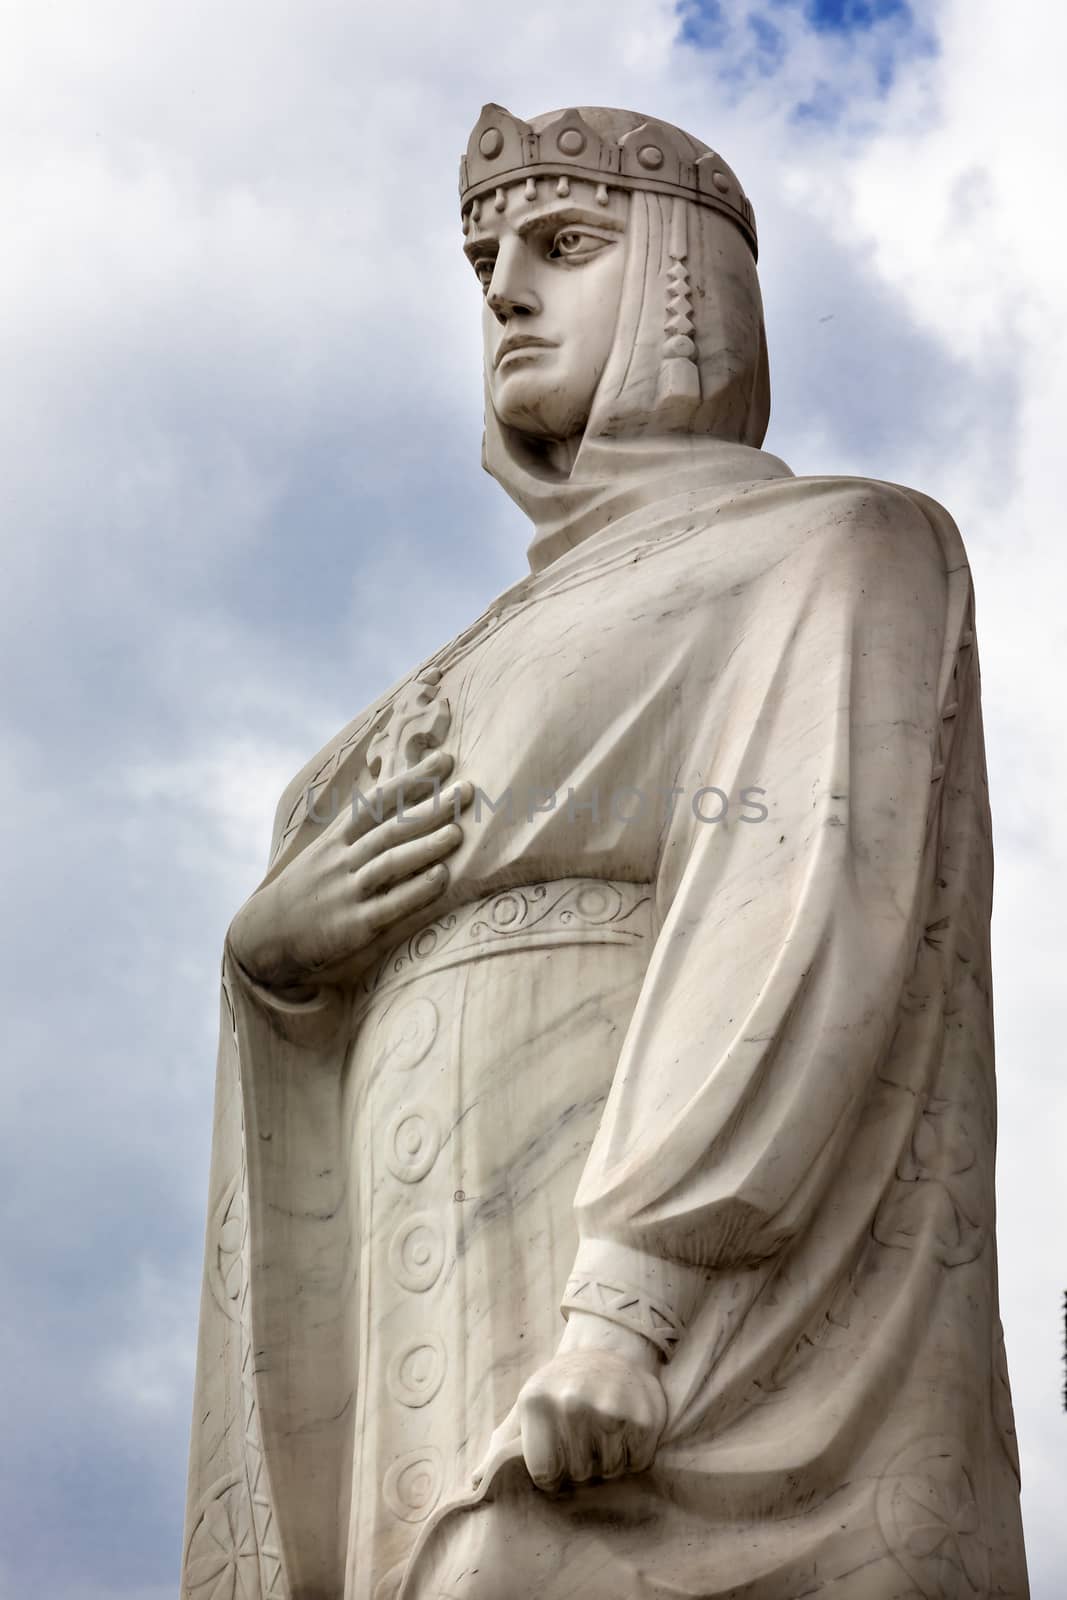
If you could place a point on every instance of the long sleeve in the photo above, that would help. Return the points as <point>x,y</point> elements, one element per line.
<point>783,943</point>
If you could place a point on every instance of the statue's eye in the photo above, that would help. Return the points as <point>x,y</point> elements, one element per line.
<point>575,244</point>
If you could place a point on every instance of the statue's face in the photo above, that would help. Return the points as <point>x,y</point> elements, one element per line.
<point>551,270</point>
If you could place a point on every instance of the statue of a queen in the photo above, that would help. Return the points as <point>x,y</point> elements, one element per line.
<point>602,1191</point>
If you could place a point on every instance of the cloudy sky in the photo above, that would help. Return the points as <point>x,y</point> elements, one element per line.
<point>239,429</point>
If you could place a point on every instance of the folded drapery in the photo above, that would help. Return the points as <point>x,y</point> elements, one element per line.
<point>733,1075</point>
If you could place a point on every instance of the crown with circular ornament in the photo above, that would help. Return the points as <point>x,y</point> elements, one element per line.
<point>503,151</point>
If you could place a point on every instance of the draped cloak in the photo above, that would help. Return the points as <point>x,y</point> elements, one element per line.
<point>652,1049</point>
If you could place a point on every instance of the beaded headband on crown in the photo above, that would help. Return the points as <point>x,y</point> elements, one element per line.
<point>503,151</point>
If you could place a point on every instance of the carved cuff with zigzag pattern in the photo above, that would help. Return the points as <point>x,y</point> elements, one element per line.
<point>627,1306</point>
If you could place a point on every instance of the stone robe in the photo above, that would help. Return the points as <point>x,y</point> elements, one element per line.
<point>731,1078</point>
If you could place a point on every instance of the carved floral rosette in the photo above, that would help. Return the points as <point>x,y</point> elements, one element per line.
<point>928,1514</point>
<point>222,1561</point>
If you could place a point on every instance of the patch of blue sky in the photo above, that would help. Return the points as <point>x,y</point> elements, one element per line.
<point>702,24</point>
<point>753,42</point>
<point>844,16</point>
<point>825,105</point>
<point>769,40</point>
<point>888,29</point>
<point>759,51</point>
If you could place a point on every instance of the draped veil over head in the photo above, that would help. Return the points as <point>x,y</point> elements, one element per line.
<point>685,394</point>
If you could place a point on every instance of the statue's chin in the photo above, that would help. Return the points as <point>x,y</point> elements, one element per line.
<point>540,410</point>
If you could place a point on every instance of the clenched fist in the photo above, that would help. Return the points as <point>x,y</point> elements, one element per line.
<point>596,1410</point>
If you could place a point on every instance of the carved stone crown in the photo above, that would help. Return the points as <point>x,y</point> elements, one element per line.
<point>653,156</point>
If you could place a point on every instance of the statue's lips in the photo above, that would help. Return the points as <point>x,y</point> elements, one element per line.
<point>519,343</point>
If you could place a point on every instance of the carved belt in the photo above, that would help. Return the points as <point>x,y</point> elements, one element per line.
<point>535,916</point>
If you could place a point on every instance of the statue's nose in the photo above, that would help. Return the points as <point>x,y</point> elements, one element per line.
<point>510,293</point>
<point>505,306</point>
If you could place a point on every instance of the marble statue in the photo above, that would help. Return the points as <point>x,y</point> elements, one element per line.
<point>602,1192</point>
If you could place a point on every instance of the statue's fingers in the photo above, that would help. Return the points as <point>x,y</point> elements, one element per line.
<point>369,810</point>
<point>577,1432</point>
<point>643,1434</point>
<point>436,810</point>
<point>405,860</point>
<point>434,767</point>
<point>394,904</point>
<point>609,1445</point>
<point>640,1448</point>
<point>506,1434</point>
<point>542,1447</point>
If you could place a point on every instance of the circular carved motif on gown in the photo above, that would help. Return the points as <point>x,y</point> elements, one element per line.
<point>222,1562</point>
<point>491,143</point>
<point>571,141</point>
<point>506,910</point>
<point>592,902</point>
<point>425,943</point>
<point>929,1517</point>
<point>721,182</point>
<point>417,1253</point>
<point>417,1371</point>
<point>407,1034</point>
<point>412,1141</point>
<point>650,156</point>
<point>413,1483</point>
